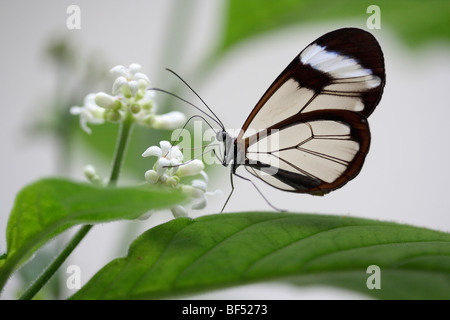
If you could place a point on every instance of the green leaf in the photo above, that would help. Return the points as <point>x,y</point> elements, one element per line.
<point>189,256</point>
<point>416,21</point>
<point>48,207</point>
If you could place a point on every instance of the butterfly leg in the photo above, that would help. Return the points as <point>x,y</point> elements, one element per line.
<point>257,189</point>
<point>232,189</point>
<point>217,155</point>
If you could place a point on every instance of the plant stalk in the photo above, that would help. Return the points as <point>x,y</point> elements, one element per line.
<point>54,266</point>
<point>119,154</point>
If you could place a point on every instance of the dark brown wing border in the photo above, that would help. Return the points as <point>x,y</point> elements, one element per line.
<point>359,132</point>
<point>352,42</point>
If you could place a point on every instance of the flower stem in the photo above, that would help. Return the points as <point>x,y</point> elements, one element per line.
<point>122,141</point>
<point>54,266</point>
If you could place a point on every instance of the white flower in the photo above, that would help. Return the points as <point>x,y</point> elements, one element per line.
<point>89,113</point>
<point>106,101</point>
<point>171,120</point>
<point>130,98</point>
<point>191,168</point>
<point>129,81</point>
<point>169,158</point>
<point>169,169</point>
<point>197,191</point>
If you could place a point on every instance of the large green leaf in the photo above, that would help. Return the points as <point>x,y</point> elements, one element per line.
<point>416,21</point>
<point>49,206</point>
<point>188,256</point>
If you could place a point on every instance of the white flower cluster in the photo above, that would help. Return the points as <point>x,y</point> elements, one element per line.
<point>169,169</point>
<point>130,97</point>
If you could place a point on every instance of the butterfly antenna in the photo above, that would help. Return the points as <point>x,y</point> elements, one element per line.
<point>176,140</point>
<point>198,96</point>
<point>189,103</point>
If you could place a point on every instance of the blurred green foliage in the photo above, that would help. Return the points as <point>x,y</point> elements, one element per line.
<point>416,21</point>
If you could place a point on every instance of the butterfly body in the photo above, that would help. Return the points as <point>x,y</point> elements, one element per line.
<point>309,132</point>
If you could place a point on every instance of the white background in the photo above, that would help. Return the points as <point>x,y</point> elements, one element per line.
<point>405,175</point>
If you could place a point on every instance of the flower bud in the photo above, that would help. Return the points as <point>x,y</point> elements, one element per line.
<point>146,104</point>
<point>172,181</point>
<point>179,211</point>
<point>135,108</point>
<point>105,100</point>
<point>91,174</point>
<point>151,176</point>
<point>145,120</point>
<point>143,82</point>
<point>171,120</point>
<point>191,168</point>
<point>113,115</point>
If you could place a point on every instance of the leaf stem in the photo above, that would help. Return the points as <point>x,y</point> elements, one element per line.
<point>119,153</point>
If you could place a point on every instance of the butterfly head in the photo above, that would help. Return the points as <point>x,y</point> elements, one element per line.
<point>222,136</point>
<point>228,143</point>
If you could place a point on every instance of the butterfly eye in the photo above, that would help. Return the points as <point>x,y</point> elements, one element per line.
<point>221,136</point>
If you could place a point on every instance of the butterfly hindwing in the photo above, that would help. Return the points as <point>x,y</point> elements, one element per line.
<point>312,153</point>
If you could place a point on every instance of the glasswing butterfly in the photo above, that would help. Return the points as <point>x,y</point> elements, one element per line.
<point>309,132</point>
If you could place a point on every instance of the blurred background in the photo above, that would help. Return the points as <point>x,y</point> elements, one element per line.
<point>230,51</point>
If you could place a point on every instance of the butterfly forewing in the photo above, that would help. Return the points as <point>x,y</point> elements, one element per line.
<point>309,132</point>
<point>343,69</point>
